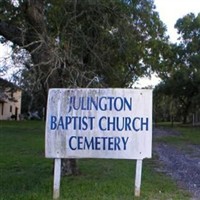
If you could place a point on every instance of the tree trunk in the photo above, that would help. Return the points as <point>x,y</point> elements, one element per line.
<point>69,167</point>
<point>186,111</point>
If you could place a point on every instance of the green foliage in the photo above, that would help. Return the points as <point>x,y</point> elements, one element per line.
<point>83,43</point>
<point>103,37</point>
<point>27,175</point>
<point>115,41</point>
<point>182,80</point>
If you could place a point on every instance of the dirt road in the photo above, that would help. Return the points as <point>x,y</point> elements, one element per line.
<point>182,163</point>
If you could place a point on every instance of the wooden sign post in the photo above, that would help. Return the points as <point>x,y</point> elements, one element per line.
<point>98,123</point>
<point>138,177</point>
<point>57,175</point>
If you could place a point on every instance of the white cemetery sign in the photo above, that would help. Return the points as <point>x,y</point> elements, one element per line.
<point>99,123</point>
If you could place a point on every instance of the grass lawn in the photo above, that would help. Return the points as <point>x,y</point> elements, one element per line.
<point>189,134</point>
<point>25,173</point>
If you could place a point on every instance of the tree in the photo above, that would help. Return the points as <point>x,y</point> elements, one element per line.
<point>182,81</point>
<point>84,43</point>
<point>181,89</point>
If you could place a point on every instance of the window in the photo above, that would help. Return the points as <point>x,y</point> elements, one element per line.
<point>10,108</point>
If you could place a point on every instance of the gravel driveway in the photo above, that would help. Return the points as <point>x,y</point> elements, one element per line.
<point>181,163</point>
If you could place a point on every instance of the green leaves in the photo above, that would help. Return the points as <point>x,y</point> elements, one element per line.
<point>116,41</point>
<point>182,82</point>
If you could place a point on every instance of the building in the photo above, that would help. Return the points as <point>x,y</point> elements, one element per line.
<point>10,100</point>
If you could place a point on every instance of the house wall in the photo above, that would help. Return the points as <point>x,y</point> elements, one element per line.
<point>9,108</point>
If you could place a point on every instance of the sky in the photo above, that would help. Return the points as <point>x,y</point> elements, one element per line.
<point>170,11</point>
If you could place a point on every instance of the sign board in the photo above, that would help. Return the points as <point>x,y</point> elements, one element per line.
<point>99,123</point>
